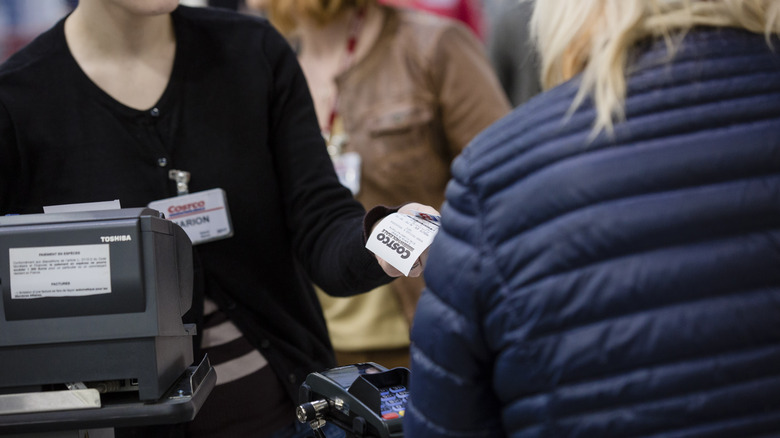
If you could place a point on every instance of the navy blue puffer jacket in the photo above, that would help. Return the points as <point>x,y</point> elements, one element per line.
<point>624,287</point>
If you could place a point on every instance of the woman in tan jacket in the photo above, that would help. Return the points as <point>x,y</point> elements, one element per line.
<point>398,94</point>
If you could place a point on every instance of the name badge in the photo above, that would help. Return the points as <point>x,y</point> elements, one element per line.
<point>204,216</point>
<point>347,167</point>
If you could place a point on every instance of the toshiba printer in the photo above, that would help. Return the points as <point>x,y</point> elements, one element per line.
<point>91,330</point>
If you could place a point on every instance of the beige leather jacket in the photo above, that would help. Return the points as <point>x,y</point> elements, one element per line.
<point>410,106</point>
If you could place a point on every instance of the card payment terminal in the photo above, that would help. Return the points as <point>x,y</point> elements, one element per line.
<point>364,399</point>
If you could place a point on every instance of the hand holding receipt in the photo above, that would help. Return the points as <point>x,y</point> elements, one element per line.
<point>400,241</point>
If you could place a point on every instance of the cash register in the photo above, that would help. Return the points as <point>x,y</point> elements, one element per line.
<point>91,329</point>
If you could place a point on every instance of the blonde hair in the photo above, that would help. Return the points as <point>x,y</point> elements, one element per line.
<point>285,14</point>
<point>593,37</point>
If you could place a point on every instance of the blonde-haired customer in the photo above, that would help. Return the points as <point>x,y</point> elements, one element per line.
<point>398,94</point>
<point>608,259</point>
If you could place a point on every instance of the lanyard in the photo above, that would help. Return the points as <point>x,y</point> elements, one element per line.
<point>352,39</point>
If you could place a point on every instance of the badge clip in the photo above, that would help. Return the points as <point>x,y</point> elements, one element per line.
<point>182,178</point>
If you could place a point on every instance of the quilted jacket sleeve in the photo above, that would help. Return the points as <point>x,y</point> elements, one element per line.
<point>452,374</point>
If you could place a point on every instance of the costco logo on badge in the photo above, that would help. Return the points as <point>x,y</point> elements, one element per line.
<point>192,207</point>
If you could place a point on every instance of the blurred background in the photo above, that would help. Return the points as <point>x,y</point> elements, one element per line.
<point>23,20</point>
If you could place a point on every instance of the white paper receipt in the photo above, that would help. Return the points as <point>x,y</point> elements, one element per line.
<point>400,238</point>
<point>60,271</point>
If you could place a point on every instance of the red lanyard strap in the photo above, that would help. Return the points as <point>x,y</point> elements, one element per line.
<point>352,40</point>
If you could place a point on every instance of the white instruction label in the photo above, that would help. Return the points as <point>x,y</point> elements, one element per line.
<point>400,239</point>
<point>60,271</point>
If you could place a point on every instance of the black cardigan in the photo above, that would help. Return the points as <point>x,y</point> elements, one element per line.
<point>237,114</point>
